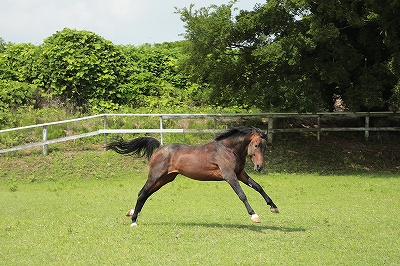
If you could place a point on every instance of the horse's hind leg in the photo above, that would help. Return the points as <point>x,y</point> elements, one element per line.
<point>151,186</point>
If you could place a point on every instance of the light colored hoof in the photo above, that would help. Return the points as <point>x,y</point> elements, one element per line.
<point>130,213</point>
<point>274,210</point>
<point>133,224</point>
<point>255,218</point>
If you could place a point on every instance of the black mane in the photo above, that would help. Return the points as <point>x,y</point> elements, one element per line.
<point>238,132</point>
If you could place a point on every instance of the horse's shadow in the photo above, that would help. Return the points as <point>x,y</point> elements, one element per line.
<point>251,227</point>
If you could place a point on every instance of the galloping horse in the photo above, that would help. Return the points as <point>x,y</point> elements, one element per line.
<point>221,159</point>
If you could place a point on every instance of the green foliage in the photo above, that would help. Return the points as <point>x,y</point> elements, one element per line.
<point>18,68</point>
<point>297,55</point>
<point>245,64</point>
<point>155,80</point>
<point>2,45</point>
<point>284,55</point>
<point>359,51</point>
<point>14,95</point>
<point>79,70</point>
<point>19,62</point>
<point>208,30</point>
<point>395,98</point>
<point>79,66</point>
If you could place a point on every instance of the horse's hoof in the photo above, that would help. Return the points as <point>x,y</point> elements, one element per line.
<point>274,210</point>
<point>133,224</point>
<point>130,213</point>
<point>255,218</point>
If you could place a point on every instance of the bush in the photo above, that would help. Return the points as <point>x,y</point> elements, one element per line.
<point>14,95</point>
<point>80,65</point>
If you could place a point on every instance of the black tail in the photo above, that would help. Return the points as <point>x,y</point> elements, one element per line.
<point>144,146</point>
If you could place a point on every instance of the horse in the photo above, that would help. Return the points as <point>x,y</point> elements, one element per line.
<point>222,159</point>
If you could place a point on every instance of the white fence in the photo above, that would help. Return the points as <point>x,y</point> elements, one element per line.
<point>267,118</point>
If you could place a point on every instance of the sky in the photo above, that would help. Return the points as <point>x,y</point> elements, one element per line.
<point>124,22</point>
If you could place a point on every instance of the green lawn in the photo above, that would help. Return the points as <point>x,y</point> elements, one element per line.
<point>62,219</point>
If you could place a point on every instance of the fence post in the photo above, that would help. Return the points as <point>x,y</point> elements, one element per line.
<point>44,138</point>
<point>270,129</point>
<point>105,127</point>
<point>319,128</point>
<point>366,133</point>
<point>215,126</point>
<point>161,127</point>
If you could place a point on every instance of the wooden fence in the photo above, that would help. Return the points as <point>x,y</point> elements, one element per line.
<point>269,119</point>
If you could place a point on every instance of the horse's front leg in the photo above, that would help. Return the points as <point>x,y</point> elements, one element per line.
<point>233,181</point>
<point>246,179</point>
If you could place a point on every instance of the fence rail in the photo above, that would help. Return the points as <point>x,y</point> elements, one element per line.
<point>268,118</point>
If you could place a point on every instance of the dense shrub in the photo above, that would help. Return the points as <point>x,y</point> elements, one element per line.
<point>80,65</point>
<point>15,95</point>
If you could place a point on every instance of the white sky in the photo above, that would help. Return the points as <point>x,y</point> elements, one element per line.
<point>120,21</point>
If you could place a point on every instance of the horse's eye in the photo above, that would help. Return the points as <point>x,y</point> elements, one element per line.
<point>256,145</point>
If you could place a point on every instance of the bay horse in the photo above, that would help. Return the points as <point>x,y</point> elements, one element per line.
<point>222,159</point>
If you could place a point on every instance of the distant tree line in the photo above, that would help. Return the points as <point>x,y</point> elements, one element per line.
<point>284,55</point>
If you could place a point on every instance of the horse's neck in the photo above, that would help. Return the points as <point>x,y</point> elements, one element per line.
<point>238,146</point>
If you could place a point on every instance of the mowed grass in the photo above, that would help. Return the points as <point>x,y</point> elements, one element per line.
<point>324,220</point>
<point>79,220</point>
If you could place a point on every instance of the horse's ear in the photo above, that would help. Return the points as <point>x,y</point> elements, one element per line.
<point>266,132</point>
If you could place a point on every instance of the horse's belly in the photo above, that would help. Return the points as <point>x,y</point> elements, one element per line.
<point>202,173</point>
<point>196,163</point>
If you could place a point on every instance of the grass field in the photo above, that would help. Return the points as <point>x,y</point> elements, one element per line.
<point>68,209</point>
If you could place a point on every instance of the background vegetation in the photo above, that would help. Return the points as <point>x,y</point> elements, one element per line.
<point>298,55</point>
<point>282,56</point>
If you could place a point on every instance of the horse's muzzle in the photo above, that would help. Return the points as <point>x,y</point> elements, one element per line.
<point>258,167</point>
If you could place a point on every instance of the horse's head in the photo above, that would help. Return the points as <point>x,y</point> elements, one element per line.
<point>256,149</point>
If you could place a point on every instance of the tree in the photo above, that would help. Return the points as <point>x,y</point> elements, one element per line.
<point>289,55</point>
<point>80,66</point>
<point>252,59</point>
<point>353,62</point>
<point>210,60</point>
